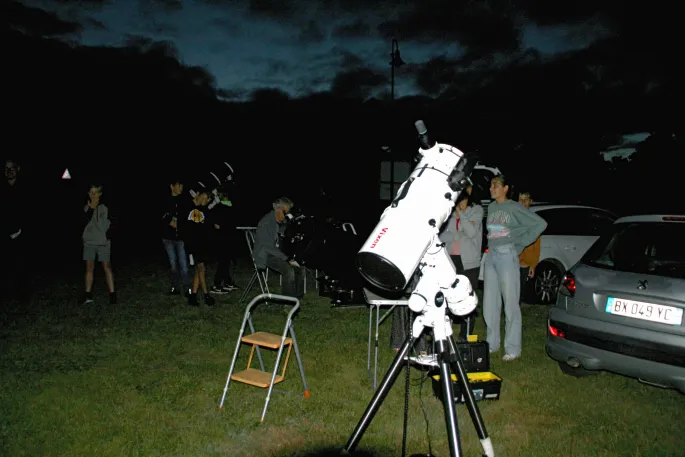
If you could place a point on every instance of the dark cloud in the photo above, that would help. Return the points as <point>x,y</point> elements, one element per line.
<point>287,8</point>
<point>310,84</point>
<point>156,26</point>
<point>311,33</point>
<point>273,8</point>
<point>352,30</point>
<point>554,13</point>
<point>89,4</point>
<point>165,5</point>
<point>357,83</point>
<point>470,72</point>
<point>482,27</point>
<point>155,21</point>
<point>277,67</point>
<point>34,21</point>
<point>349,60</point>
<point>335,59</point>
<point>147,45</point>
<point>228,26</point>
<point>93,23</point>
<point>619,35</point>
<point>435,75</point>
<point>633,25</point>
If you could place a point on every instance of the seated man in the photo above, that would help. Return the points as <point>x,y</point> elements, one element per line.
<point>267,253</point>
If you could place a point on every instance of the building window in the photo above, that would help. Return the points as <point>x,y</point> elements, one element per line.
<point>393,174</point>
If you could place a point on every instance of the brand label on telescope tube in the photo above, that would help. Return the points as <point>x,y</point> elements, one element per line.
<point>378,238</point>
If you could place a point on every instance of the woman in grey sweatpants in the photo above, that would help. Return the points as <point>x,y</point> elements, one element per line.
<point>511,227</point>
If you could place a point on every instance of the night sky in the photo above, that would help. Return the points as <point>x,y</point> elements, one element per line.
<point>302,47</point>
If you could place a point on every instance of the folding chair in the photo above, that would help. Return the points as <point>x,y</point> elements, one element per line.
<point>259,275</point>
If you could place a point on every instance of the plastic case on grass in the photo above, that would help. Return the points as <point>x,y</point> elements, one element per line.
<point>485,385</point>
<point>476,357</point>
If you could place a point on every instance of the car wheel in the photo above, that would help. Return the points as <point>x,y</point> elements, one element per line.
<point>576,372</point>
<point>546,282</point>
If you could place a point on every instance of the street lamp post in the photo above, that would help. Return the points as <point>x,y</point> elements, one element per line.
<point>395,61</point>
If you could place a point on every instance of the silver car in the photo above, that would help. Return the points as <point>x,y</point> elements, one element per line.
<point>621,307</point>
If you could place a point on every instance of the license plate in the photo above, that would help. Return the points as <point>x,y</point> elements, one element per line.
<point>644,311</point>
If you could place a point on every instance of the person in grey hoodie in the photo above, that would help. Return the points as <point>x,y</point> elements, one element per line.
<point>96,242</point>
<point>511,228</point>
<point>463,238</point>
<point>268,254</point>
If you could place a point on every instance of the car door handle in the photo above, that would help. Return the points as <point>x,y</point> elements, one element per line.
<point>570,248</point>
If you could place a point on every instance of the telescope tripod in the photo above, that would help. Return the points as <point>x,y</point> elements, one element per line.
<point>448,358</point>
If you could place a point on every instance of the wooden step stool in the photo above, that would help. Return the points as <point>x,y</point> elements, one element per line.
<point>262,378</point>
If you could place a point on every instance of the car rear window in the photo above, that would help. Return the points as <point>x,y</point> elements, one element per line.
<point>641,247</point>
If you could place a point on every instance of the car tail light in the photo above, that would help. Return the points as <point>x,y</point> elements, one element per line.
<point>556,331</point>
<point>568,285</point>
<point>487,249</point>
<point>674,218</point>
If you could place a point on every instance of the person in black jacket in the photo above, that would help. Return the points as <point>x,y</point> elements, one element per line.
<point>14,205</point>
<point>195,224</point>
<point>173,243</point>
<point>224,225</point>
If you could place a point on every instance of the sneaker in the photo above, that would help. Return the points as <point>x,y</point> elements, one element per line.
<point>510,357</point>
<point>192,299</point>
<point>227,289</point>
<point>217,290</point>
<point>209,300</point>
<point>113,298</point>
<point>88,298</point>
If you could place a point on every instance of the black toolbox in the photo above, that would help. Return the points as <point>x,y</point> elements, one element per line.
<point>485,385</point>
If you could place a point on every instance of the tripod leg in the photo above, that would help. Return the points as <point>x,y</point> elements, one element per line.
<point>448,400</point>
<point>470,401</point>
<point>378,397</point>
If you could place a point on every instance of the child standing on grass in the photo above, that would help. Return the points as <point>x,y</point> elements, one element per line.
<point>173,244</point>
<point>196,232</point>
<point>96,242</point>
<point>222,217</point>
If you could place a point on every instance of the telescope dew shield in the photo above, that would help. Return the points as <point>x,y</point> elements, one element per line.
<point>392,252</point>
<point>394,249</point>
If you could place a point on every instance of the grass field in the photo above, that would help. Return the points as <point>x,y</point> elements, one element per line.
<point>145,378</point>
